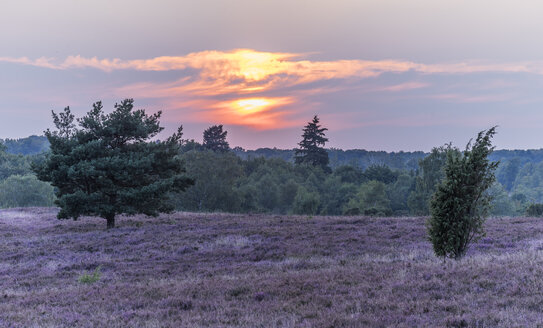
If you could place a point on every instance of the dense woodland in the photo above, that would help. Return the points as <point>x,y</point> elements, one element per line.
<point>267,180</point>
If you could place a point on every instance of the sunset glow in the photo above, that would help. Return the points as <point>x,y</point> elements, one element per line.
<point>263,90</point>
<point>272,65</point>
<point>257,113</point>
<point>256,66</point>
<point>250,106</point>
<point>209,80</point>
<point>241,86</point>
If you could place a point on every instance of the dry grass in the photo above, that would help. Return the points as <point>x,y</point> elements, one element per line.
<point>223,270</point>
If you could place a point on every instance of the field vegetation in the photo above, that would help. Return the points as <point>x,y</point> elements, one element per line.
<point>226,270</point>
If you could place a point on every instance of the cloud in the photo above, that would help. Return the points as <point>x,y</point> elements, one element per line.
<point>255,65</point>
<point>403,87</point>
<point>466,98</point>
<point>222,86</point>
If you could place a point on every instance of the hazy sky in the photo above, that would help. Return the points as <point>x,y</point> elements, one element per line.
<point>382,75</point>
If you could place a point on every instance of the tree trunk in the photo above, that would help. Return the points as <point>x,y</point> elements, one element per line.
<point>110,221</point>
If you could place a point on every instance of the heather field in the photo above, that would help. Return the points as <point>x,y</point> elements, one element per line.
<point>226,270</point>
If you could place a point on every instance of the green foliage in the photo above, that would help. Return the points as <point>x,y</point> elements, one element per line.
<point>247,194</point>
<point>535,210</point>
<point>311,149</point>
<point>188,145</point>
<point>431,173</point>
<point>507,173</point>
<point>306,202</point>
<point>90,278</point>
<point>350,174</point>
<point>266,180</point>
<point>287,193</point>
<point>501,204</point>
<point>360,158</point>
<point>398,193</point>
<point>314,178</point>
<point>26,146</point>
<point>274,183</point>
<point>381,173</point>
<point>459,206</point>
<point>371,199</point>
<point>215,176</point>
<point>268,193</point>
<point>108,165</point>
<point>25,191</point>
<point>11,164</point>
<point>336,194</point>
<point>215,139</point>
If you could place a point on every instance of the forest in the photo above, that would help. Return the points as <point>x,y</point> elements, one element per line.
<point>267,180</point>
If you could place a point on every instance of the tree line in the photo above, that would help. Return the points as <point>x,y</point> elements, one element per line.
<point>276,181</point>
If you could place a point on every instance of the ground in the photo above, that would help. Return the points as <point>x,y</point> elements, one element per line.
<point>227,270</point>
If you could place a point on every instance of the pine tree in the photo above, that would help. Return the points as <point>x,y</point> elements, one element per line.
<point>108,165</point>
<point>461,202</point>
<point>215,139</point>
<point>311,149</point>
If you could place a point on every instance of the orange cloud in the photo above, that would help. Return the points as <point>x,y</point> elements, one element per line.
<point>241,86</point>
<point>260,113</point>
<point>252,65</point>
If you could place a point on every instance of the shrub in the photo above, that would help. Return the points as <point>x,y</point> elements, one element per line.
<point>377,211</point>
<point>90,278</point>
<point>535,210</point>
<point>461,201</point>
<point>349,211</point>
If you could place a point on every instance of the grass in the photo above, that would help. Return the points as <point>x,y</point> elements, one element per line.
<point>225,270</point>
<point>90,278</point>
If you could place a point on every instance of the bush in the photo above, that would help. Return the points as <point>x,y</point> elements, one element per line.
<point>377,211</point>
<point>350,211</point>
<point>535,210</point>
<point>461,201</point>
<point>88,278</point>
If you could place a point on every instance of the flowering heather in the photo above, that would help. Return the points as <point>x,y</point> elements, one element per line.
<point>226,270</point>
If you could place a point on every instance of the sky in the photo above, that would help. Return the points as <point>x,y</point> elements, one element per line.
<point>381,75</point>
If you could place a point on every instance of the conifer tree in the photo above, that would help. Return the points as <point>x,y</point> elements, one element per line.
<point>106,164</point>
<point>461,202</point>
<point>311,149</point>
<point>215,139</point>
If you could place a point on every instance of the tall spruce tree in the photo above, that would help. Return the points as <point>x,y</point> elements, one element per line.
<point>311,149</point>
<point>461,202</point>
<point>109,166</point>
<point>215,139</point>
